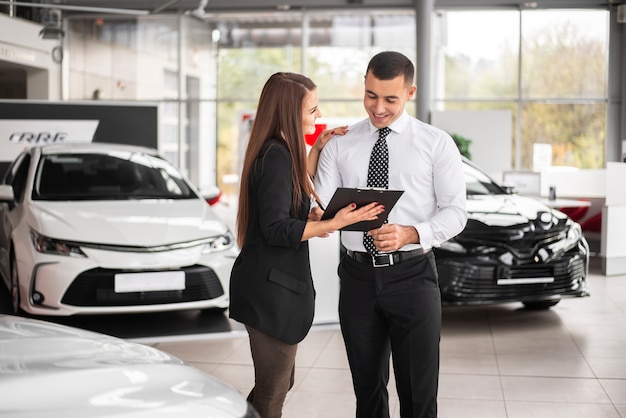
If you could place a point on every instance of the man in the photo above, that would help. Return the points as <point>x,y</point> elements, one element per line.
<point>390,301</point>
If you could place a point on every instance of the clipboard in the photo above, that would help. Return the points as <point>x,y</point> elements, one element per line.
<point>362,196</point>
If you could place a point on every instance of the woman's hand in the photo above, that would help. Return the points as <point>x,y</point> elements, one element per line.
<point>351,215</point>
<point>316,215</point>
<point>316,149</point>
<point>326,134</point>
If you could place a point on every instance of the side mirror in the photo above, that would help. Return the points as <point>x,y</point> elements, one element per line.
<point>212,195</point>
<point>6,195</point>
<point>509,188</point>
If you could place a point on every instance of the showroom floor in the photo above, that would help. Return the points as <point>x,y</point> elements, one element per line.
<point>497,361</point>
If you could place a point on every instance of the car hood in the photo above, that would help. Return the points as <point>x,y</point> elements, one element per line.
<point>51,370</point>
<point>510,210</point>
<point>126,222</point>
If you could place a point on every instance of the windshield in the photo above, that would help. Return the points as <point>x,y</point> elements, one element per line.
<point>113,176</point>
<point>479,183</point>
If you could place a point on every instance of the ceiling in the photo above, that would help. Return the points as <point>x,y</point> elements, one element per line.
<point>142,7</point>
<point>145,7</point>
<point>35,9</point>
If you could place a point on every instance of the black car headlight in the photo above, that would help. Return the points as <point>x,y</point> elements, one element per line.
<point>47,245</point>
<point>570,239</point>
<point>457,247</point>
<point>220,243</point>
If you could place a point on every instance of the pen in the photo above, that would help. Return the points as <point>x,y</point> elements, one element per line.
<point>320,205</point>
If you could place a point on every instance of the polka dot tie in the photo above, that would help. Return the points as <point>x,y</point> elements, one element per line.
<point>377,176</point>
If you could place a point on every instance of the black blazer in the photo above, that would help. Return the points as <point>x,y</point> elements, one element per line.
<point>271,288</point>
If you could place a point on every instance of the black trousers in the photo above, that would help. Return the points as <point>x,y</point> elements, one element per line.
<point>397,310</point>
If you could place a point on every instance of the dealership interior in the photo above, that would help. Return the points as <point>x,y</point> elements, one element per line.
<point>536,89</point>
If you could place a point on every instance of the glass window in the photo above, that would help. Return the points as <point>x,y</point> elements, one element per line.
<point>479,183</point>
<point>338,52</point>
<point>341,45</point>
<point>574,131</point>
<point>158,38</point>
<point>201,60</point>
<point>563,86</point>
<point>338,47</point>
<point>243,71</point>
<point>117,176</point>
<point>476,54</point>
<point>548,66</point>
<point>233,128</point>
<point>564,54</point>
<point>251,49</point>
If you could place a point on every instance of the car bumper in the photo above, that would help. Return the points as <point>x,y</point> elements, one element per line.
<point>61,285</point>
<point>469,281</point>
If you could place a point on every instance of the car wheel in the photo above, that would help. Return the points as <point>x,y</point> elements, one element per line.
<point>539,305</point>
<point>15,286</point>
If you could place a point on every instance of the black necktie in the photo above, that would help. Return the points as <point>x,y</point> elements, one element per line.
<point>377,176</point>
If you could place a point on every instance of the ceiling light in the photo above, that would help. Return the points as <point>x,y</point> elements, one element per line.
<point>51,33</point>
<point>200,12</point>
<point>52,25</point>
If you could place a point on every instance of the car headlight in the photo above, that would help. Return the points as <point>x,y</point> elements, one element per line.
<point>219,243</point>
<point>572,236</point>
<point>457,247</point>
<point>47,245</point>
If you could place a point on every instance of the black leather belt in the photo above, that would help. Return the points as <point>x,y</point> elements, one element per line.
<point>386,259</point>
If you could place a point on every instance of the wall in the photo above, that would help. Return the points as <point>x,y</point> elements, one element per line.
<point>613,250</point>
<point>128,123</point>
<point>490,132</point>
<point>20,44</point>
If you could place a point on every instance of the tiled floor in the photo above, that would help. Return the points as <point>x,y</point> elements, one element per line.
<point>497,361</point>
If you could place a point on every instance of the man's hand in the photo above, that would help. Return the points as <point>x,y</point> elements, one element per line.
<point>315,214</point>
<point>392,237</point>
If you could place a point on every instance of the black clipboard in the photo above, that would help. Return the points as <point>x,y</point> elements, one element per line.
<point>362,196</point>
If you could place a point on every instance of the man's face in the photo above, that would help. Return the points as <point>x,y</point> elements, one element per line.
<point>385,100</point>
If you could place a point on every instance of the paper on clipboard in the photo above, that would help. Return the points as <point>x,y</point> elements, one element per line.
<point>362,196</point>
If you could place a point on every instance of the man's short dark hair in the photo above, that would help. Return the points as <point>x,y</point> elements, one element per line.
<point>388,65</point>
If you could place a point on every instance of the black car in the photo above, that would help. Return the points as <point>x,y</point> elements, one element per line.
<point>513,249</point>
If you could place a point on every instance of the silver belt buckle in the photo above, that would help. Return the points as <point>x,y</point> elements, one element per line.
<point>388,262</point>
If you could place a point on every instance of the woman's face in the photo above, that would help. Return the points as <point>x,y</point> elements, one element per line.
<point>310,112</point>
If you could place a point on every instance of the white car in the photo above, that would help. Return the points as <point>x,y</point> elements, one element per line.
<point>106,228</point>
<point>52,370</point>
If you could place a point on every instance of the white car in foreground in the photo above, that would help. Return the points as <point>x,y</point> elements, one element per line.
<point>107,228</point>
<point>52,370</point>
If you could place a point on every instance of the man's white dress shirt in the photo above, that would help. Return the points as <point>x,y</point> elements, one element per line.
<point>424,161</point>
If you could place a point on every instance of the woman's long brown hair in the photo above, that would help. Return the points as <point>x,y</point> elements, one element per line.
<point>279,116</point>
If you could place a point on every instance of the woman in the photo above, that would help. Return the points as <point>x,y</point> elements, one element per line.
<point>271,288</point>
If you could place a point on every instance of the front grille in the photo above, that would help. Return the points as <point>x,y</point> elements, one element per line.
<point>522,241</point>
<point>469,281</point>
<point>96,288</point>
